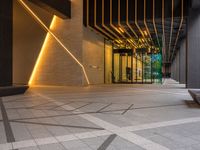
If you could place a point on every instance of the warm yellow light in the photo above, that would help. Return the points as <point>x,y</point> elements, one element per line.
<point>145,33</point>
<point>41,54</point>
<point>120,29</point>
<point>52,34</point>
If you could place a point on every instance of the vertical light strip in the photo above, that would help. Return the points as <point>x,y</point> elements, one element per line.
<point>88,24</point>
<point>115,28</point>
<point>103,22</point>
<point>145,23</point>
<point>53,35</point>
<point>95,21</point>
<point>136,23</point>
<point>154,23</point>
<point>127,20</point>
<point>171,32</point>
<point>180,26</point>
<point>133,43</point>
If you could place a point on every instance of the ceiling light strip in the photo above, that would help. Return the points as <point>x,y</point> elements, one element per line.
<point>95,21</point>
<point>127,19</point>
<point>145,23</point>
<point>103,22</point>
<point>90,27</point>
<point>132,42</point>
<point>54,36</point>
<point>154,24</point>
<point>171,31</point>
<point>136,23</point>
<point>180,26</point>
<point>111,24</point>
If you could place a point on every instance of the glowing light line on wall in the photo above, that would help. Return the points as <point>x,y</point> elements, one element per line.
<point>53,35</point>
<point>40,54</point>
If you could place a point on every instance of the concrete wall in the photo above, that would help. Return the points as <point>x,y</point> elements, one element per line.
<point>93,56</point>
<point>175,68</point>
<point>57,66</point>
<point>193,74</point>
<point>108,62</point>
<point>28,37</point>
<point>183,62</point>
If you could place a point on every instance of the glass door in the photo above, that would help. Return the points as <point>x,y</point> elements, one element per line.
<point>122,66</point>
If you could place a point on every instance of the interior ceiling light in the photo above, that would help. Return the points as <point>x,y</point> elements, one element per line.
<point>54,36</point>
<point>145,33</point>
<point>121,29</point>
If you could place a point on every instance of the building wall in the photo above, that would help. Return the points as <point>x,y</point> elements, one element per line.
<point>93,56</point>
<point>193,73</point>
<point>175,68</point>
<point>183,62</point>
<point>57,67</point>
<point>28,38</point>
<point>108,62</point>
<point>6,43</point>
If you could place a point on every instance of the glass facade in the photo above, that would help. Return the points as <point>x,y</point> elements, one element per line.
<point>134,66</point>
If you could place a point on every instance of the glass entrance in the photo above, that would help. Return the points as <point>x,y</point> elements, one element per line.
<point>122,66</point>
<point>136,67</point>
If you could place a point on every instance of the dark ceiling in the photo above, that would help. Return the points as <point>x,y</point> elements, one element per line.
<point>139,23</point>
<point>60,8</point>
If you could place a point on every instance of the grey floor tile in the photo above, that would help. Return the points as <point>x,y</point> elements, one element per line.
<point>52,147</point>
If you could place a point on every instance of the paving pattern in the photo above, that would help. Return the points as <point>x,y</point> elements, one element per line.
<point>104,117</point>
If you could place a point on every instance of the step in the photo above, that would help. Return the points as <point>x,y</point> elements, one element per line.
<point>195,95</point>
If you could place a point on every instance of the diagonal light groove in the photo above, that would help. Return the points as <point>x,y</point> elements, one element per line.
<point>54,36</point>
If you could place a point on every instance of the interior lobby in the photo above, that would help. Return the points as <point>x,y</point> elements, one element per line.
<point>99,75</point>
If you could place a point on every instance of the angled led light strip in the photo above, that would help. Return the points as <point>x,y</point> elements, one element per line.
<point>145,23</point>
<point>88,25</point>
<point>127,20</point>
<point>95,21</point>
<point>180,26</point>
<point>154,23</point>
<point>103,23</point>
<point>115,28</point>
<point>52,34</point>
<point>136,23</point>
<point>133,43</point>
<point>171,32</point>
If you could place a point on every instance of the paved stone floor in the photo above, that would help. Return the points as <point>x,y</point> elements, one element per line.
<point>104,117</point>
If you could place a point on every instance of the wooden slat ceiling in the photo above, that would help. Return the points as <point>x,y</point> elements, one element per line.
<point>139,23</point>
